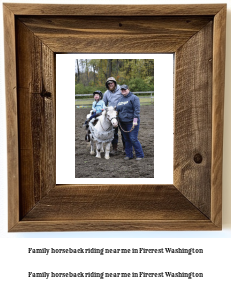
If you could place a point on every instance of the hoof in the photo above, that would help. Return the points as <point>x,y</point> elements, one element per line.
<point>107,157</point>
<point>92,153</point>
<point>98,156</point>
<point>113,152</point>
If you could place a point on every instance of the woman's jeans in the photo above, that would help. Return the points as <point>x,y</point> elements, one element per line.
<point>131,139</point>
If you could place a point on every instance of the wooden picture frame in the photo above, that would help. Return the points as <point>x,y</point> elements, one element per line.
<point>34,33</point>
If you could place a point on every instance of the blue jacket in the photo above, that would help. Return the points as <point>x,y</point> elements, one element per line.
<point>128,108</point>
<point>111,98</point>
<point>98,106</point>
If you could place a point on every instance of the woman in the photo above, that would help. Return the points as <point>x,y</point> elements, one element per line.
<point>128,108</point>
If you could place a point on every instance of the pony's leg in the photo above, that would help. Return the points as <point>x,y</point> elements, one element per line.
<point>107,150</point>
<point>98,147</point>
<point>102,149</point>
<point>92,147</point>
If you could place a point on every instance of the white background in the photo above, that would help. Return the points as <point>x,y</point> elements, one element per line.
<point>216,244</point>
<point>65,122</point>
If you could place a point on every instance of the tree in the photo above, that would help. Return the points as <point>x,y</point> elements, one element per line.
<point>109,68</point>
<point>78,73</point>
<point>93,73</point>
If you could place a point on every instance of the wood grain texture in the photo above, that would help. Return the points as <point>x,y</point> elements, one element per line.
<point>117,207</point>
<point>114,10</point>
<point>194,203</point>
<point>193,119</point>
<point>219,36</point>
<point>114,225</point>
<point>116,202</point>
<point>36,105</point>
<point>11,113</point>
<point>114,34</point>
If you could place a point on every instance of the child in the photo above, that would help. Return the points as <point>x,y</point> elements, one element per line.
<point>98,105</point>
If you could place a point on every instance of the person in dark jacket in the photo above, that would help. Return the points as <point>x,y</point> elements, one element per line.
<point>128,108</point>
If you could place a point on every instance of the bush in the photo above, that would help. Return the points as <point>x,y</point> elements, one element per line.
<point>140,85</point>
<point>81,89</point>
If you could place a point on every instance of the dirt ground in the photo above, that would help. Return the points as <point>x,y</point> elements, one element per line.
<point>88,166</point>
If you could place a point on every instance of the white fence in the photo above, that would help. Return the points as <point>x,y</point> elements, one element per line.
<point>136,93</point>
<point>81,102</point>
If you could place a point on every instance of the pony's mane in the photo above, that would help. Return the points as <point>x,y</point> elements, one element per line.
<point>104,112</point>
<point>102,115</point>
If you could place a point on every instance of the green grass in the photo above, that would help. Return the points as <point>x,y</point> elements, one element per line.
<point>88,102</point>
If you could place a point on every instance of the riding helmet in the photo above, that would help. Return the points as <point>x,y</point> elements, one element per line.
<point>100,94</point>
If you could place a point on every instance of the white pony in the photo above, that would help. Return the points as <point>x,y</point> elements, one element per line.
<point>102,131</point>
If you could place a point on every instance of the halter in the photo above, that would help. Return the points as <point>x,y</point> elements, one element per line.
<point>103,127</point>
<point>109,119</point>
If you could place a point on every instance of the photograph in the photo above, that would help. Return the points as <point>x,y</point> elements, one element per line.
<point>114,118</point>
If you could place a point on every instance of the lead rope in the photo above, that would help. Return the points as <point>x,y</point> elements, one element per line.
<point>126,131</point>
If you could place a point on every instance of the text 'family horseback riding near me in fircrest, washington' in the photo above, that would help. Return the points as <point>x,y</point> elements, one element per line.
<point>103,251</point>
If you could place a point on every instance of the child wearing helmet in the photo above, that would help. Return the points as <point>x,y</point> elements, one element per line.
<point>97,106</point>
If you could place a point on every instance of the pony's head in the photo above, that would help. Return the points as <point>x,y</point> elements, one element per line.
<point>111,115</point>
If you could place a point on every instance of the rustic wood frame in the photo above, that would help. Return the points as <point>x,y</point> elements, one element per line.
<point>34,33</point>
